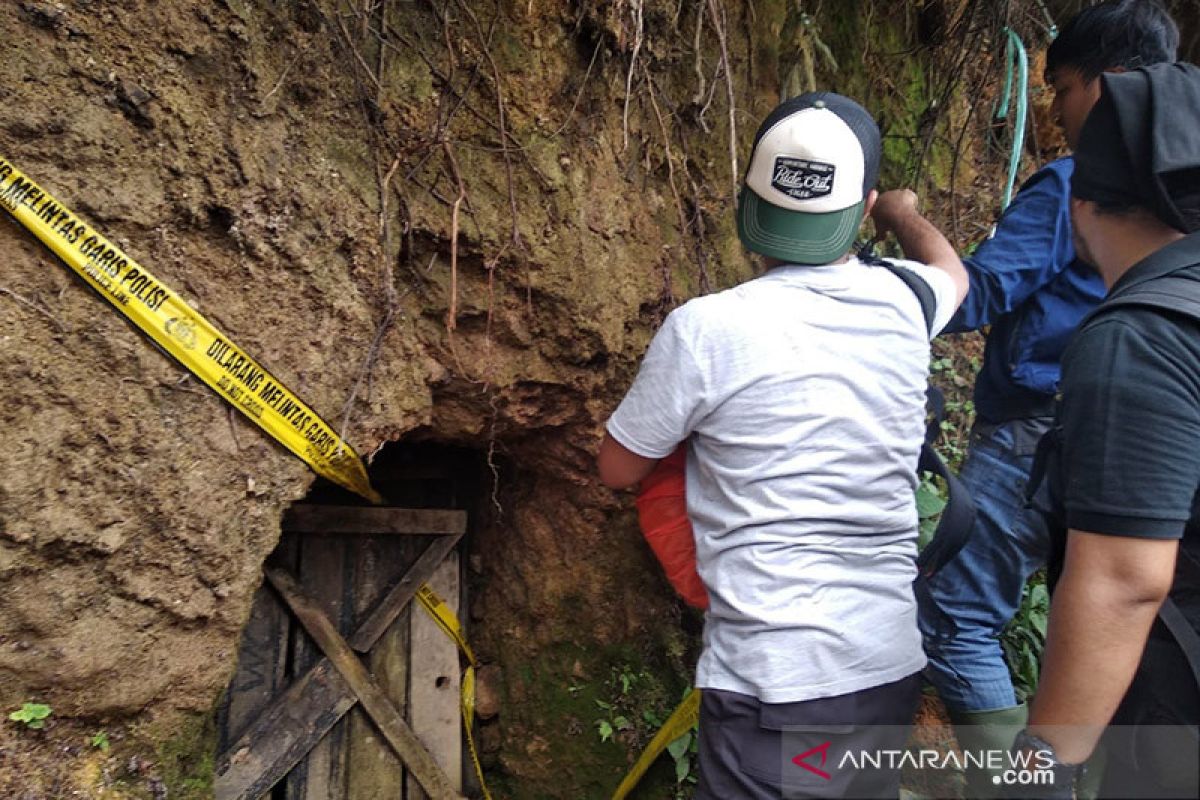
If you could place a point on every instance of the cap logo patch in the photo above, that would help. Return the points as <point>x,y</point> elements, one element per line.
<point>802,179</point>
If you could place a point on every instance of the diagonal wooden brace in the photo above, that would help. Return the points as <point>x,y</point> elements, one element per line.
<point>299,717</point>
<point>381,710</point>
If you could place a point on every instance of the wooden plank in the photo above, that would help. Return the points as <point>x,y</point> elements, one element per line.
<point>399,735</point>
<point>385,612</point>
<point>261,672</point>
<point>436,682</point>
<point>261,669</point>
<point>317,717</point>
<point>322,774</point>
<point>356,519</point>
<point>374,770</point>
<point>279,738</point>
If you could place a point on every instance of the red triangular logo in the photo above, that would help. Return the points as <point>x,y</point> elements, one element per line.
<point>823,749</point>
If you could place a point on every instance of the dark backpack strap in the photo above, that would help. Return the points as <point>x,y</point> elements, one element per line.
<point>1168,293</point>
<point>958,517</point>
<point>1046,447</point>
<point>1187,571</point>
<point>1183,632</point>
<point>1042,503</point>
<point>911,279</point>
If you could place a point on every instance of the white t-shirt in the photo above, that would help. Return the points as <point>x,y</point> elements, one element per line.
<point>802,395</point>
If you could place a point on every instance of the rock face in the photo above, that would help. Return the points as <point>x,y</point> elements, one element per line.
<point>448,222</point>
<point>294,171</point>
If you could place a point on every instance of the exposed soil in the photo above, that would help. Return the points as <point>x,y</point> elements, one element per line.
<point>439,222</point>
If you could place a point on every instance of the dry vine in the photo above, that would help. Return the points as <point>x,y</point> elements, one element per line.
<point>636,10</point>
<point>719,23</point>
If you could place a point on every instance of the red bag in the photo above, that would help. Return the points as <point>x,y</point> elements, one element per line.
<point>662,514</point>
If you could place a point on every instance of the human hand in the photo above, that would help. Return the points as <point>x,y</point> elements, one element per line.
<point>892,207</point>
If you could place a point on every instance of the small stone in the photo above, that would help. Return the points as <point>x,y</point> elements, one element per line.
<point>44,15</point>
<point>135,94</point>
<point>487,691</point>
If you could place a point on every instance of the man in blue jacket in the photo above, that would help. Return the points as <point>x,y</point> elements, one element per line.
<point>1027,283</point>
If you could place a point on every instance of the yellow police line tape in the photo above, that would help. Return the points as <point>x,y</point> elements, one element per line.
<point>183,333</point>
<point>445,619</point>
<point>682,720</point>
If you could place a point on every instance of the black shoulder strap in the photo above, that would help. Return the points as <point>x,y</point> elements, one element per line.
<point>958,517</point>
<point>1172,292</point>
<point>911,279</point>
<point>1184,633</point>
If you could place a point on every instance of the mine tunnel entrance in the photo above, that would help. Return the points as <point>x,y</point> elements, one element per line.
<point>348,685</point>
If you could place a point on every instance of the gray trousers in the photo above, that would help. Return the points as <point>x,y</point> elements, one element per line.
<point>749,750</point>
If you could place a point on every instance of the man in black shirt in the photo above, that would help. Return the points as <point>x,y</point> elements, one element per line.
<point>1125,475</point>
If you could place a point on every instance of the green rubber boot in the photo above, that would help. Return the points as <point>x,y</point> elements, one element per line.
<point>981,732</point>
<point>1088,786</point>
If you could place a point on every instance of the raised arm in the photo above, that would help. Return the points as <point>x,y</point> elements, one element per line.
<point>1029,248</point>
<point>896,212</point>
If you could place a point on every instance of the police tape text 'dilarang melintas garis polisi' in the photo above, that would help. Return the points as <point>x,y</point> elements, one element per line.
<point>182,332</point>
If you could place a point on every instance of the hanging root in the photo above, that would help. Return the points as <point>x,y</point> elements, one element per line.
<point>636,11</point>
<point>719,24</point>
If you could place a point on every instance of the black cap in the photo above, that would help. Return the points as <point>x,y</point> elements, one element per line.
<point>1140,144</point>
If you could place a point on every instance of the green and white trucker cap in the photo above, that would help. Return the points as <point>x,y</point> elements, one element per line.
<point>815,160</point>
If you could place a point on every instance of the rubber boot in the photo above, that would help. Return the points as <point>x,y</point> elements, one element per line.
<point>981,732</point>
<point>1088,785</point>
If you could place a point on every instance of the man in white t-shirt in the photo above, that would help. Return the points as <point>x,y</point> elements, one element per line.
<point>801,395</point>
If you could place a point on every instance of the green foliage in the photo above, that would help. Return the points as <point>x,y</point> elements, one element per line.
<point>628,689</point>
<point>100,741</point>
<point>683,752</point>
<point>605,726</point>
<point>619,709</point>
<point>931,500</point>
<point>1025,637</point>
<point>567,680</point>
<point>186,760</point>
<point>32,714</point>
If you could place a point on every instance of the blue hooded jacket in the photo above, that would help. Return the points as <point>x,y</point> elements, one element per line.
<point>1028,285</point>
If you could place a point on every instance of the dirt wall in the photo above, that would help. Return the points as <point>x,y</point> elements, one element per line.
<point>449,222</point>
